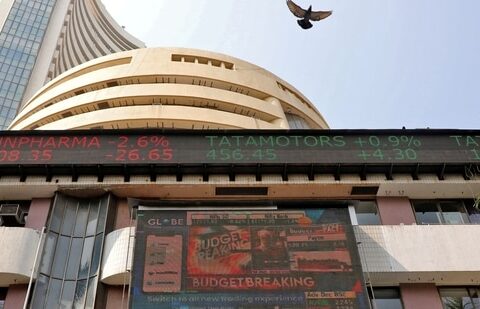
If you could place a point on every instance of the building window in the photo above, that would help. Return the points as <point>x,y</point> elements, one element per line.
<point>296,122</point>
<point>460,298</point>
<point>70,262</point>
<point>473,211</point>
<point>385,298</point>
<point>366,213</point>
<point>3,295</point>
<point>440,212</point>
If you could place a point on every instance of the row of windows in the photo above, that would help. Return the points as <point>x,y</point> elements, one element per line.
<point>452,298</point>
<point>426,212</point>
<point>20,40</point>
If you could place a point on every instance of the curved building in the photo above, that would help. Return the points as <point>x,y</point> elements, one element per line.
<point>41,39</point>
<point>168,88</point>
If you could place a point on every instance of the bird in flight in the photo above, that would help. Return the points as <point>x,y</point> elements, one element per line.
<point>306,15</point>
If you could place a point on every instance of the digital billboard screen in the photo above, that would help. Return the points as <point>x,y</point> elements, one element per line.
<point>246,259</point>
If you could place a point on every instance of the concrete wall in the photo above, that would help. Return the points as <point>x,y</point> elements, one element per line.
<point>18,247</point>
<point>38,213</point>
<point>420,296</point>
<point>15,296</point>
<point>117,257</point>
<point>395,210</point>
<point>441,254</point>
<point>152,88</point>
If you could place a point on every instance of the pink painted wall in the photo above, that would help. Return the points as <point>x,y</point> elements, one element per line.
<point>395,210</point>
<point>114,297</point>
<point>122,218</point>
<point>15,296</point>
<point>38,213</point>
<point>420,296</point>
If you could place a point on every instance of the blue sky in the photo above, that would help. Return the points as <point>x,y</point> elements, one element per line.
<point>372,64</point>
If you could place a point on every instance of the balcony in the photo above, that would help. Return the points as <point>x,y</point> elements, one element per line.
<point>18,246</point>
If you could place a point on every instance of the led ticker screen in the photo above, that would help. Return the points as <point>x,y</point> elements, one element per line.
<point>246,259</point>
<point>239,147</point>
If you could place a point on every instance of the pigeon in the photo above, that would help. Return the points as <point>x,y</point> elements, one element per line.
<point>306,15</point>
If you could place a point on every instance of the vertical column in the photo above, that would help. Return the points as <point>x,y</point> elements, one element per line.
<point>15,296</point>
<point>395,210</point>
<point>420,296</point>
<point>117,297</point>
<point>122,217</point>
<point>38,213</point>
<point>281,122</point>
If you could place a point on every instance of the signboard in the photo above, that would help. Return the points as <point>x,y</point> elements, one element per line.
<point>239,147</point>
<point>246,259</point>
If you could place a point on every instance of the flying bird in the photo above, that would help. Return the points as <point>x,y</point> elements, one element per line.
<point>306,15</point>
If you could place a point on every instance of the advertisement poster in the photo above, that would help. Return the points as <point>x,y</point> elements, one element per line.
<point>281,259</point>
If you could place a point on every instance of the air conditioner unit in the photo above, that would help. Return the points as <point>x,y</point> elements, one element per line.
<point>12,214</point>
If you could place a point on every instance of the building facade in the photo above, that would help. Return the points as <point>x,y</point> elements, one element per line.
<point>39,39</point>
<point>157,215</point>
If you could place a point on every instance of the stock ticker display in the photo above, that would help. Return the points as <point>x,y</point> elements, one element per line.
<point>239,147</point>
<point>246,259</point>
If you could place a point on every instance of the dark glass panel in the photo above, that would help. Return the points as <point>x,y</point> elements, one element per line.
<point>473,211</point>
<point>92,219</point>
<point>74,259</point>
<point>80,293</point>
<point>69,218</point>
<point>41,286</point>
<point>102,215</point>
<point>454,212</point>
<point>67,294</point>
<point>91,289</point>
<point>48,253</point>
<point>97,251</point>
<point>385,298</point>
<point>427,213</point>
<point>86,258</point>
<point>57,215</point>
<point>367,213</point>
<point>61,254</point>
<point>54,291</point>
<point>82,217</point>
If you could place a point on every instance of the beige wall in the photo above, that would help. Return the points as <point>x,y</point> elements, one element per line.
<point>5,6</point>
<point>166,88</point>
<point>441,254</point>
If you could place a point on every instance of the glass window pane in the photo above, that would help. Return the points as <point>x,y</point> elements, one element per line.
<point>387,304</point>
<point>48,251</point>
<point>81,222</point>
<point>80,294</point>
<point>102,215</point>
<point>453,298</point>
<point>386,298</point>
<point>61,254</point>
<point>74,259</point>
<point>427,213</point>
<point>92,287</point>
<point>86,258</point>
<point>41,286</point>
<point>367,213</point>
<point>69,218</point>
<point>97,251</point>
<point>67,294</point>
<point>53,293</point>
<point>473,212</point>
<point>454,212</point>
<point>92,220</point>
<point>57,216</point>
